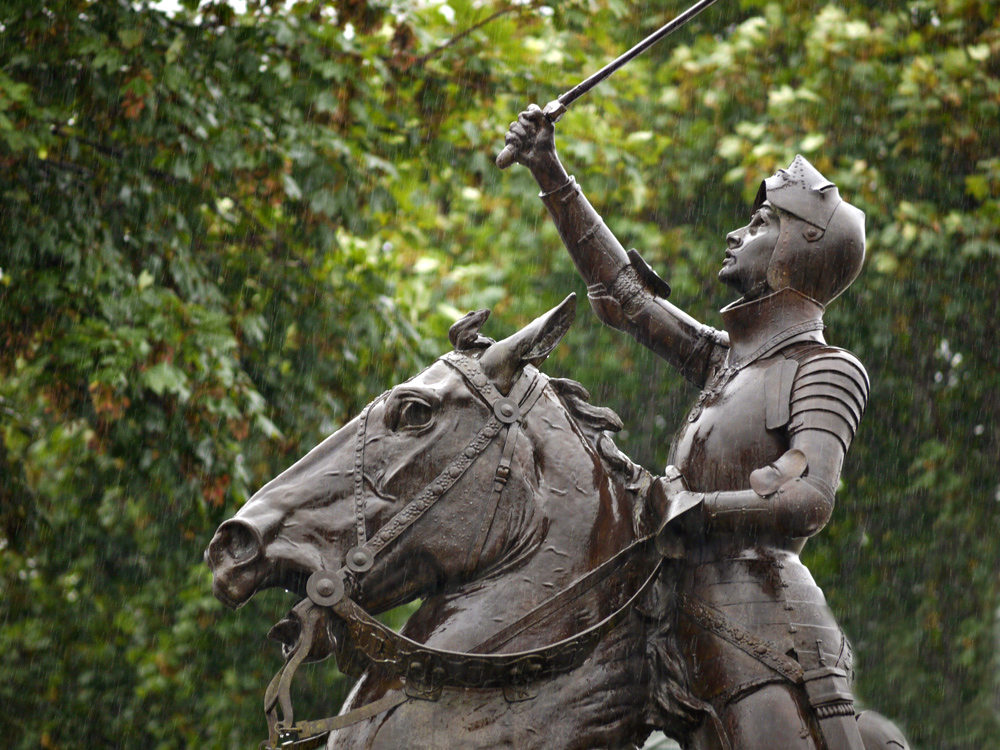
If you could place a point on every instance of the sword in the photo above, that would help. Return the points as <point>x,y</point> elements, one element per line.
<point>555,109</point>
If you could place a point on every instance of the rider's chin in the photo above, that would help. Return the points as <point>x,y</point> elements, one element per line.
<point>727,274</point>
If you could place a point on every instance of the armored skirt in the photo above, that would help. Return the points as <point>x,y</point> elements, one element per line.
<point>748,619</point>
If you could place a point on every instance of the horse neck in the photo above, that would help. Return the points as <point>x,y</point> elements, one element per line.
<point>578,516</point>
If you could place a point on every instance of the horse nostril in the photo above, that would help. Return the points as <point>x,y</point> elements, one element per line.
<point>235,542</point>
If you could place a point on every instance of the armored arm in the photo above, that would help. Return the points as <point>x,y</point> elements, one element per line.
<point>624,292</point>
<point>794,496</point>
<point>791,506</point>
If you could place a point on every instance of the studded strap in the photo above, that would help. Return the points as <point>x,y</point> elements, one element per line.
<point>506,411</point>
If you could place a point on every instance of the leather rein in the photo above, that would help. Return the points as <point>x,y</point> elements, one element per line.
<point>425,671</point>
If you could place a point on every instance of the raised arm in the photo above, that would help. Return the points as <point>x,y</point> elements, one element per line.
<point>624,292</point>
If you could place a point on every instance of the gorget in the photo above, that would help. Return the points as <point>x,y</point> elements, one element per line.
<point>756,329</point>
<point>758,326</point>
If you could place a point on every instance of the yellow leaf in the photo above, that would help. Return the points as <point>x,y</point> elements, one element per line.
<point>131,38</point>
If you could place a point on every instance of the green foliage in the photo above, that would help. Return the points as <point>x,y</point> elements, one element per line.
<point>222,232</point>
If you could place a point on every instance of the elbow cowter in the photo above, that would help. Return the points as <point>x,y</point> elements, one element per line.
<point>635,287</point>
<point>801,507</point>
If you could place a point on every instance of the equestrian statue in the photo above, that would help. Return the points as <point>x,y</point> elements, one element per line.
<point>570,599</point>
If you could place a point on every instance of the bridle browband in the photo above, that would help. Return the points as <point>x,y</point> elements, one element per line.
<point>425,671</point>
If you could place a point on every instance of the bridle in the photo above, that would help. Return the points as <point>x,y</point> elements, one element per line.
<point>426,671</point>
<point>506,415</point>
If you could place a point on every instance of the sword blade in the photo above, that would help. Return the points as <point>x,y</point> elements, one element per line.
<point>666,30</point>
<point>555,109</point>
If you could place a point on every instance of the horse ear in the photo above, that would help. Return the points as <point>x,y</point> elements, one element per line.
<point>464,332</point>
<point>529,346</point>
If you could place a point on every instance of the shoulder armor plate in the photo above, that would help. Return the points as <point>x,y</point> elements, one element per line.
<point>829,393</point>
<point>778,384</point>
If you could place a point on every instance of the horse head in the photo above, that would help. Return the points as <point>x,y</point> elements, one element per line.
<point>422,439</point>
<point>491,492</point>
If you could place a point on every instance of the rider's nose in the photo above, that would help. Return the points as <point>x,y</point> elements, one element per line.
<point>733,239</point>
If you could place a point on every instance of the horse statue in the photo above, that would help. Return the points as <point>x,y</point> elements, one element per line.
<point>494,494</point>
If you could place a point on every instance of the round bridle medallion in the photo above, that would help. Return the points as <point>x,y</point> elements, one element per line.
<point>359,559</point>
<point>325,588</point>
<point>506,410</point>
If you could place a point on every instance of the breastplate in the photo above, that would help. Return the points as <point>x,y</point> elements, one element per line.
<point>725,437</point>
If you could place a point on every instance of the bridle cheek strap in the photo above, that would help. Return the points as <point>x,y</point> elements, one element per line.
<point>359,474</point>
<point>525,393</point>
<point>507,412</point>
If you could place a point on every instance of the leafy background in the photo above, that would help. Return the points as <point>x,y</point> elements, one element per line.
<point>224,228</point>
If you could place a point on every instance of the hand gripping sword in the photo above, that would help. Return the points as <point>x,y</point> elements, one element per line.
<point>555,109</point>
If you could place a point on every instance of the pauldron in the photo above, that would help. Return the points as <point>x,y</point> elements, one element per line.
<point>829,393</point>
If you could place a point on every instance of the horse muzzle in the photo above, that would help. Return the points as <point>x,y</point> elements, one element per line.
<point>236,558</point>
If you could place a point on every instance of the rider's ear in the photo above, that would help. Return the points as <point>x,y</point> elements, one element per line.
<point>531,345</point>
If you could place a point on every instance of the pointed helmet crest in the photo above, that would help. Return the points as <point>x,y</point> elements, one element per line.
<point>821,245</point>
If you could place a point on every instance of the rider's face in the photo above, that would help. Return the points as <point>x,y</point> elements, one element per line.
<point>748,253</point>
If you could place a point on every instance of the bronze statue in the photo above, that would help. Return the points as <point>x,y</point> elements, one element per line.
<point>756,463</point>
<point>495,494</point>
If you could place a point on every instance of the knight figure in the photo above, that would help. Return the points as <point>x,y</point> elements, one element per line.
<point>756,463</point>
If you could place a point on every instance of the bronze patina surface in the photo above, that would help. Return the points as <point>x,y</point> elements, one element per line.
<point>570,599</point>
<point>755,465</point>
<point>494,494</point>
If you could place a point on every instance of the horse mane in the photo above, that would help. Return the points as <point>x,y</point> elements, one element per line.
<point>576,398</point>
<point>671,705</point>
<point>596,422</point>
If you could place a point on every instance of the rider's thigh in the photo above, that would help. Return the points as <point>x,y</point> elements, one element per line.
<point>776,717</point>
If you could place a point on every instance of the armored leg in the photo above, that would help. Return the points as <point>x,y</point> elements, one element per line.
<point>776,716</point>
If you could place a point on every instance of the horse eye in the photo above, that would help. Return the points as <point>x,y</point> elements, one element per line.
<point>415,414</point>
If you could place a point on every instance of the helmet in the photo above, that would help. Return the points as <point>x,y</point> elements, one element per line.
<point>821,243</point>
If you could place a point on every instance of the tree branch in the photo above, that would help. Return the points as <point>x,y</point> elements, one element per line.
<point>475,27</point>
